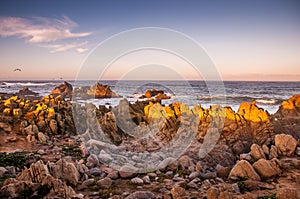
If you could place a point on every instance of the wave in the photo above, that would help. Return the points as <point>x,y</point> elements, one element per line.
<point>26,84</point>
<point>266,101</point>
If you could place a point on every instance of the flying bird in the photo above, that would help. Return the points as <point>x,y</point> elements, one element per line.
<point>17,69</point>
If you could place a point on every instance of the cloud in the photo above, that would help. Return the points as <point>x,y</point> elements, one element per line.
<point>39,29</point>
<point>79,47</point>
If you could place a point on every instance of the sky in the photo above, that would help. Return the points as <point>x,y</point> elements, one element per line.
<point>245,40</point>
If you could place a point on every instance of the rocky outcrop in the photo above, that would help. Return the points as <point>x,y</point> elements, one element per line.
<point>37,180</point>
<point>65,90</point>
<point>244,170</point>
<point>96,91</point>
<point>287,117</point>
<point>25,91</point>
<point>158,95</point>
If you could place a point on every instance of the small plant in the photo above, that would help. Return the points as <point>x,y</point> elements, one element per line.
<point>243,186</point>
<point>292,164</point>
<point>252,160</point>
<point>13,159</point>
<point>273,196</point>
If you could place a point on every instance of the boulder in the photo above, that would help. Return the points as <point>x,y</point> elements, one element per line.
<point>266,168</point>
<point>101,91</point>
<point>105,183</point>
<point>64,90</point>
<point>286,144</point>
<point>141,195</point>
<point>257,152</point>
<point>243,169</point>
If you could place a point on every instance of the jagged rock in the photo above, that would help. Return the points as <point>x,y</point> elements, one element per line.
<point>25,92</point>
<point>243,169</point>
<point>141,195</point>
<point>273,152</point>
<point>38,176</point>
<point>105,182</point>
<point>66,171</point>
<point>257,152</point>
<point>6,127</point>
<point>65,90</point>
<point>96,91</point>
<point>178,192</point>
<point>16,189</point>
<point>286,144</point>
<point>157,94</point>
<point>266,168</point>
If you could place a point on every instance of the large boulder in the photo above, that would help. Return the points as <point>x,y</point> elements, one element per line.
<point>266,168</point>
<point>65,90</point>
<point>286,144</point>
<point>243,169</point>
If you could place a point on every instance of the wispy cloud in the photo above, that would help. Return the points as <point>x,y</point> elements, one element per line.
<point>39,29</point>
<point>79,47</point>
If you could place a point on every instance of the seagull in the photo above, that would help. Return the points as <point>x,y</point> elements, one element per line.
<point>17,69</point>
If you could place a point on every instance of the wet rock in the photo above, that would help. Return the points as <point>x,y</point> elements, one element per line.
<point>105,182</point>
<point>266,168</point>
<point>141,195</point>
<point>65,90</point>
<point>243,169</point>
<point>286,144</point>
<point>257,152</point>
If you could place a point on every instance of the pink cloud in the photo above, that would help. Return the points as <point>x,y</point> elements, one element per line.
<point>39,29</point>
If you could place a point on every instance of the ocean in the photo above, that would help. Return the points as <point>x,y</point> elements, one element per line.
<point>268,95</point>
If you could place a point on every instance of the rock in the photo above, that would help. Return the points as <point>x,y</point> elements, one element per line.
<point>53,126</point>
<point>257,152</point>
<point>286,144</point>
<point>193,175</point>
<point>95,171</point>
<point>88,182</point>
<point>243,169</point>
<point>137,181</point>
<point>16,189</point>
<point>66,171</point>
<point>104,157</point>
<point>37,176</point>
<point>101,91</point>
<point>178,192</point>
<point>92,161</point>
<point>113,175</point>
<point>184,161</point>
<point>6,127</point>
<point>42,137</point>
<point>266,149</point>
<point>289,193</point>
<point>297,151</point>
<point>146,180</point>
<point>105,182</point>
<point>236,188</point>
<point>212,193</point>
<point>273,152</point>
<point>266,168</point>
<point>2,171</point>
<point>245,156</point>
<point>25,92</point>
<point>225,195</point>
<point>141,195</point>
<point>65,90</point>
<point>127,171</point>
<point>17,112</point>
<point>222,172</point>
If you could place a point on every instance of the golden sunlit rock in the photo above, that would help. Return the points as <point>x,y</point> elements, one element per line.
<point>292,103</point>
